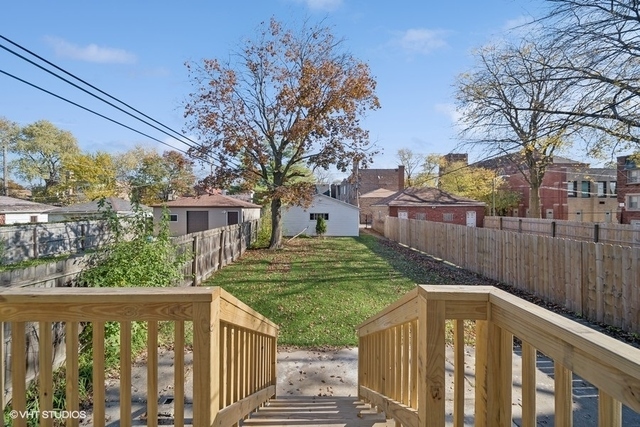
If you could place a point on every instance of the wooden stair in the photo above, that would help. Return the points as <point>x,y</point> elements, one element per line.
<point>305,411</point>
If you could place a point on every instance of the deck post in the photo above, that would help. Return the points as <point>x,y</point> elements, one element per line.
<point>431,362</point>
<point>206,360</point>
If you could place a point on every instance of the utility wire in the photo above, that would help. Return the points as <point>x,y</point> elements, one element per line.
<point>194,145</point>
<point>90,110</point>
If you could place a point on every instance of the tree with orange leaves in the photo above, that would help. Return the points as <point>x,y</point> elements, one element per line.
<point>290,102</point>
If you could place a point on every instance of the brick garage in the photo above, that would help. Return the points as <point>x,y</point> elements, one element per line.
<point>430,204</point>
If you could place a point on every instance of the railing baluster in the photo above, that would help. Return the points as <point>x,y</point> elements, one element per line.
<point>563,379</point>
<point>431,359</point>
<point>45,374</point>
<point>71,330</point>
<point>125,374</point>
<point>98,374</point>
<point>609,411</point>
<point>18,371</point>
<point>206,360</point>
<point>152,374</point>
<point>528,385</point>
<point>178,372</point>
<point>458,373</point>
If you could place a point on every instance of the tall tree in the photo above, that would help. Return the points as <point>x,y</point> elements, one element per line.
<point>158,177</point>
<point>9,132</point>
<point>290,98</point>
<point>597,49</point>
<point>90,176</point>
<point>479,184</point>
<point>503,103</point>
<point>41,148</point>
<point>411,161</point>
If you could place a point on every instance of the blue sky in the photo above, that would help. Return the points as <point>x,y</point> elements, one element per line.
<point>136,50</point>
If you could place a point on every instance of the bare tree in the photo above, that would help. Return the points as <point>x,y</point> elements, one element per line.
<point>291,102</point>
<point>599,45</point>
<point>411,162</point>
<point>503,103</point>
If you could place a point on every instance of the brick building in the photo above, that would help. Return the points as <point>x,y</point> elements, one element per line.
<point>571,190</point>
<point>430,204</point>
<point>362,188</point>
<point>628,175</point>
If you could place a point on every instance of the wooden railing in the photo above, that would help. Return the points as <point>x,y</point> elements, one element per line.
<point>402,359</point>
<point>234,349</point>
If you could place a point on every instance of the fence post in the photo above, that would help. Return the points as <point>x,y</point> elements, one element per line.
<point>520,226</point>
<point>194,261</point>
<point>35,241</point>
<point>500,223</point>
<point>596,233</point>
<point>553,229</point>
<point>82,237</point>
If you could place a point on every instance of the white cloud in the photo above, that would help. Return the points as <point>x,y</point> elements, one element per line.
<point>421,40</point>
<point>323,5</point>
<point>450,111</point>
<point>91,52</point>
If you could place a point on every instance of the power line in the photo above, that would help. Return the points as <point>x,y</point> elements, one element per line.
<point>194,144</point>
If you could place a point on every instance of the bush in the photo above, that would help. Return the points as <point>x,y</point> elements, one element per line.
<point>321,226</point>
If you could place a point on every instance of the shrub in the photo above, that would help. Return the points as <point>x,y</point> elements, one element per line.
<point>321,226</point>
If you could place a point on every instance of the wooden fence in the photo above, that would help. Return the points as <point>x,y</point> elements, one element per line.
<point>402,364</point>
<point>598,232</point>
<point>234,351</point>
<point>597,280</point>
<point>213,249</point>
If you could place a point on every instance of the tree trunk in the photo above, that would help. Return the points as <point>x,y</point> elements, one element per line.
<point>534,202</point>
<point>276,224</point>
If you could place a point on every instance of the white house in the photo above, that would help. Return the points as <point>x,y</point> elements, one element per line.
<point>18,211</point>
<point>191,214</point>
<point>341,218</point>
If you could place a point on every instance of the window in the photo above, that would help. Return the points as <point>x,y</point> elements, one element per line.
<point>421,216</point>
<point>173,217</point>
<point>315,216</point>
<point>633,202</point>
<point>613,189</point>
<point>34,218</point>
<point>447,217</point>
<point>572,189</point>
<point>585,189</point>
<point>633,176</point>
<point>601,188</point>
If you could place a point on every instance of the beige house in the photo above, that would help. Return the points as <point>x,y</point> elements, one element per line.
<point>191,214</point>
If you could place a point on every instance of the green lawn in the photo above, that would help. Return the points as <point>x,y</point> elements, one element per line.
<point>318,290</point>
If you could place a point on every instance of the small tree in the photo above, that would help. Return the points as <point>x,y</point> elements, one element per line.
<point>321,226</point>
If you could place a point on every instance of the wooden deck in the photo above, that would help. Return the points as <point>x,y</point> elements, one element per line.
<point>305,411</point>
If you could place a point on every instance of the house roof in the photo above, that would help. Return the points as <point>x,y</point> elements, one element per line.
<point>336,201</point>
<point>378,193</point>
<point>117,204</point>
<point>209,201</point>
<point>426,196</point>
<point>13,205</point>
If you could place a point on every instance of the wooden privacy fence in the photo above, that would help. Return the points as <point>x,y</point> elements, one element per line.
<point>213,249</point>
<point>599,281</point>
<point>234,349</point>
<point>598,232</point>
<point>402,359</point>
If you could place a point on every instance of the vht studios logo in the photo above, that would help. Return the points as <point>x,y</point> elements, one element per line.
<point>34,415</point>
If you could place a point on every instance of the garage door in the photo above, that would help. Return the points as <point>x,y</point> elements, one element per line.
<point>197,221</point>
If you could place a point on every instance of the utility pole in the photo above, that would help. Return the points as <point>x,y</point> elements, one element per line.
<point>5,176</point>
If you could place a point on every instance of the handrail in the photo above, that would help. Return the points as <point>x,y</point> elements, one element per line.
<point>402,358</point>
<point>234,347</point>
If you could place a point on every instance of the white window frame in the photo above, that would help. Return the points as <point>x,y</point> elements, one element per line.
<point>633,176</point>
<point>636,198</point>
<point>313,216</point>
<point>173,217</point>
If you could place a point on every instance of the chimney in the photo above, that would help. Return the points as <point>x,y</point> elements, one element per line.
<point>400,177</point>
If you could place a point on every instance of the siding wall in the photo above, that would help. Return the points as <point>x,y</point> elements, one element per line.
<point>343,218</point>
